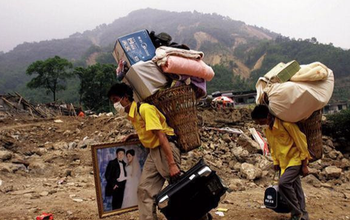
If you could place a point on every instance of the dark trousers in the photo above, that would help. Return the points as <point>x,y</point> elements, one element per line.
<point>290,188</point>
<point>118,195</point>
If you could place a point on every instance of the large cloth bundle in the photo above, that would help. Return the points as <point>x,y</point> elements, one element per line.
<point>294,101</point>
<point>184,62</point>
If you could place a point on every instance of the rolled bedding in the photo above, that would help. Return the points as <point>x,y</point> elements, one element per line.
<point>187,66</point>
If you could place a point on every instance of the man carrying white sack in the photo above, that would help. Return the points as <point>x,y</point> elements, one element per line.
<point>288,147</point>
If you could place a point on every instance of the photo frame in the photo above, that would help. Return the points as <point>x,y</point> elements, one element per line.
<point>117,170</point>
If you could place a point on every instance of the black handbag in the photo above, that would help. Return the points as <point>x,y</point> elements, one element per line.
<point>274,200</point>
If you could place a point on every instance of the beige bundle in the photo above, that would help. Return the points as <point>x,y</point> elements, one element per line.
<point>309,90</point>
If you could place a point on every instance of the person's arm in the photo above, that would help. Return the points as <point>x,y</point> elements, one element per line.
<point>276,165</point>
<point>152,123</point>
<point>273,156</point>
<point>108,175</point>
<point>122,179</point>
<point>304,168</point>
<point>108,172</point>
<point>165,145</point>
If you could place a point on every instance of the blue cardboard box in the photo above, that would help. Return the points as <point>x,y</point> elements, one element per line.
<point>134,47</point>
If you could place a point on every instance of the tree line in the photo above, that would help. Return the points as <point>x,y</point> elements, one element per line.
<point>87,85</point>
<point>52,75</point>
<point>56,74</point>
<point>284,49</point>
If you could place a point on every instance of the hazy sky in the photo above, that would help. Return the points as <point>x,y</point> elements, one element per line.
<point>37,20</point>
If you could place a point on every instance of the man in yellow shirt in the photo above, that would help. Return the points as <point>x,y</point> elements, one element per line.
<point>288,147</point>
<point>163,160</point>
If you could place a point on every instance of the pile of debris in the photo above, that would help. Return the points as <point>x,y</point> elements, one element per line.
<point>229,150</point>
<point>234,151</point>
<point>15,104</point>
<point>238,155</point>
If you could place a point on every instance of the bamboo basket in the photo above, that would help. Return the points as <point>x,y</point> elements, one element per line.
<point>311,127</point>
<point>178,104</point>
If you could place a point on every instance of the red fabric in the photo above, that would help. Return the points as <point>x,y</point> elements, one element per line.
<point>81,114</point>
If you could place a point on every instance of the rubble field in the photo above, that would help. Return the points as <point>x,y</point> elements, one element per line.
<point>46,166</point>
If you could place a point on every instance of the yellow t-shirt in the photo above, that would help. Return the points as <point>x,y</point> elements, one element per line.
<point>151,119</point>
<point>288,145</point>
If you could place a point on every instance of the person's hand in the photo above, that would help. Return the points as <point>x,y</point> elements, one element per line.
<point>116,186</point>
<point>120,179</point>
<point>305,170</point>
<point>174,171</point>
<point>129,137</point>
<point>277,167</point>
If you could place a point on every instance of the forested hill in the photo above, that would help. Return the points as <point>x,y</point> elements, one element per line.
<point>238,52</point>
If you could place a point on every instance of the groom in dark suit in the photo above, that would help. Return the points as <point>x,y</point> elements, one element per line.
<point>116,178</point>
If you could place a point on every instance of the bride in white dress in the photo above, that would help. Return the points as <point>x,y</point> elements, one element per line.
<point>133,172</point>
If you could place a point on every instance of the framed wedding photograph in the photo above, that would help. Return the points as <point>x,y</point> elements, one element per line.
<point>117,171</point>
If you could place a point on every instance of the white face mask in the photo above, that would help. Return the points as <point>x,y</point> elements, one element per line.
<point>119,108</point>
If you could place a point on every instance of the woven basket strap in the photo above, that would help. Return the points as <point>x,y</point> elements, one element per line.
<point>138,109</point>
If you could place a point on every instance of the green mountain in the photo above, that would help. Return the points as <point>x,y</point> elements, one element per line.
<point>238,52</point>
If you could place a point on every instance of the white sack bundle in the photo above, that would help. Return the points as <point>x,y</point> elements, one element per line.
<point>312,72</point>
<point>296,101</point>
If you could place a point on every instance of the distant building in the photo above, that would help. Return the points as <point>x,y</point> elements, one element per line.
<point>335,107</point>
<point>239,98</point>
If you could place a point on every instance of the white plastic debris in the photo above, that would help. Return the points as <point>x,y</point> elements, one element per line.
<point>78,200</point>
<point>109,114</point>
<point>221,214</point>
